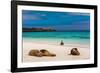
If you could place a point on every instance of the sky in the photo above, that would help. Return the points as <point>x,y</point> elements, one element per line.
<point>61,21</point>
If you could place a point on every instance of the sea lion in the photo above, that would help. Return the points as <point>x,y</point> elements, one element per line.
<point>74,51</point>
<point>62,43</point>
<point>36,53</point>
<point>46,53</point>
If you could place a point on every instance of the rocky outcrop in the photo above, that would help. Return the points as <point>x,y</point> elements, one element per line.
<point>37,29</point>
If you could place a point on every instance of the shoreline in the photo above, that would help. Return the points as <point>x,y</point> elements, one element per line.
<point>62,52</point>
<point>58,43</point>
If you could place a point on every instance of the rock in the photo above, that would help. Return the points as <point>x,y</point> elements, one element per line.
<point>46,53</point>
<point>35,53</point>
<point>74,51</point>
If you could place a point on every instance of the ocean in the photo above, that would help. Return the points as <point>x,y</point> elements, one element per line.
<point>68,37</point>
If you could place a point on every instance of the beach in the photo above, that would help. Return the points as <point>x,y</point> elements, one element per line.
<point>57,32</point>
<point>62,51</point>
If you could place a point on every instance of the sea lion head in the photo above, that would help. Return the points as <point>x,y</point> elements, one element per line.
<point>35,53</point>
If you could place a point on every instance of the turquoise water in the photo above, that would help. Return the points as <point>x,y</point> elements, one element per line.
<point>77,37</point>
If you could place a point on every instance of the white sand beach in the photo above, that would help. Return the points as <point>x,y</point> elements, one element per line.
<point>62,52</point>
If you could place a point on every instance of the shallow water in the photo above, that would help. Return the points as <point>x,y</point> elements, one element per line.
<point>69,37</point>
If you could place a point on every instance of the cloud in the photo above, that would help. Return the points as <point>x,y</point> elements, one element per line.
<point>77,13</point>
<point>31,17</point>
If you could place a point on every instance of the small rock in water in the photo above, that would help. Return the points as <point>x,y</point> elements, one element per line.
<point>74,51</point>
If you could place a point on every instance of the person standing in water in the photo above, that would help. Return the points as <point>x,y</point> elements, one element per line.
<point>62,43</point>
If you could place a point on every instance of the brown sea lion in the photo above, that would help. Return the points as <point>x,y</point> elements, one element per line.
<point>46,53</point>
<point>74,51</point>
<point>62,43</point>
<point>36,53</point>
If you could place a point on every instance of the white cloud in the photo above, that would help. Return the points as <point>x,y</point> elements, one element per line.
<point>84,14</point>
<point>31,17</point>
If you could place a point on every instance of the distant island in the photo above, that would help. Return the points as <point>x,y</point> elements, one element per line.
<point>37,29</point>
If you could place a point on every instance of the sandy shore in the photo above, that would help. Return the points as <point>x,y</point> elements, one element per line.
<point>62,52</point>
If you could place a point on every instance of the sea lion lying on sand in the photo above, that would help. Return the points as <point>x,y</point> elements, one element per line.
<point>36,53</point>
<point>41,53</point>
<point>74,51</point>
<point>46,53</point>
